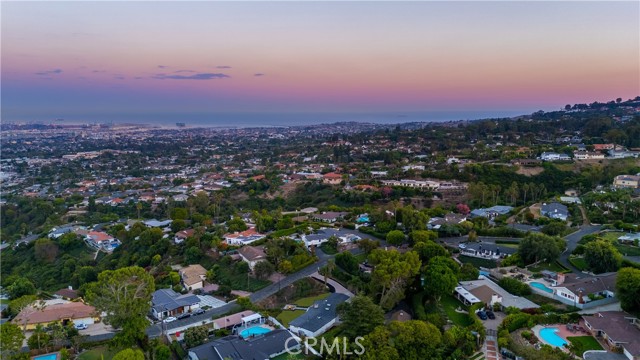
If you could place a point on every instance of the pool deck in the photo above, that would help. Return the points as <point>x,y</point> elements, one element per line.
<point>562,332</point>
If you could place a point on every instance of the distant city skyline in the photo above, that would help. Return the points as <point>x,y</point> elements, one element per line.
<point>96,60</point>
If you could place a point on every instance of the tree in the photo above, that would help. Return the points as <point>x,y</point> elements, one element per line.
<point>463,209</point>
<point>11,338</point>
<point>360,316</point>
<point>440,278</point>
<point>39,339</point>
<point>468,272</point>
<point>331,265</point>
<point>193,255</point>
<point>601,256</point>
<point>129,354</point>
<point>20,287</point>
<point>418,236</point>
<point>412,339</point>
<point>391,273</point>
<point>628,289</point>
<point>367,245</point>
<point>395,237</point>
<point>263,269</point>
<point>285,267</point>
<point>537,247</point>
<point>195,336</point>
<point>428,250</point>
<point>125,296</point>
<point>236,224</point>
<point>333,242</point>
<point>347,262</point>
<point>162,352</point>
<point>16,305</point>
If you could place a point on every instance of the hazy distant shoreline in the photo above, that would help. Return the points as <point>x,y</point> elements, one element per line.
<point>248,120</point>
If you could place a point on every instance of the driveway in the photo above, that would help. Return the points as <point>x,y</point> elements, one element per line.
<point>490,324</point>
<point>572,243</point>
<point>97,329</point>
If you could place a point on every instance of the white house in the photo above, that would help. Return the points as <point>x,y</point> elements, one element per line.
<point>319,318</point>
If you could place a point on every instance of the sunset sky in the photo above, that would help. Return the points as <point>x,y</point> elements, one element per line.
<point>96,59</point>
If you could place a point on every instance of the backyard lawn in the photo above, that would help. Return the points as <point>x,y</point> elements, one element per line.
<point>450,304</point>
<point>578,262</point>
<point>98,353</point>
<point>552,266</point>
<point>308,301</point>
<point>286,316</point>
<point>584,343</point>
<point>477,262</point>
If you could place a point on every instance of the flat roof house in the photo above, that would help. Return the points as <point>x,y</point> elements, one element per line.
<point>235,347</point>
<point>329,216</point>
<point>166,302</point>
<point>619,330</point>
<point>319,318</point>
<point>243,237</point>
<point>193,276</point>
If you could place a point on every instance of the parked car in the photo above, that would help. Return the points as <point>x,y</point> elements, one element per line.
<point>81,326</point>
<point>491,315</point>
<point>183,316</point>
<point>462,246</point>
<point>482,315</point>
<point>169,319</point>
<point>199,312</point>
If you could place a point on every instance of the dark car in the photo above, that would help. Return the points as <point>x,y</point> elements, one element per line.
<point>482,315</point>
<point>184,316</point>
<point>198,312</point>
<point>491,315</point>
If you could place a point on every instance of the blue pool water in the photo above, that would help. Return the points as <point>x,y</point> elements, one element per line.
<point>363,219</point>
<point>52,356</point>
<point>256,330</point>
<point>541,286</point>
<point>550,337</point>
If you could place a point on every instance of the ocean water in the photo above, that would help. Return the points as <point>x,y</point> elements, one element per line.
<point>270,119</point>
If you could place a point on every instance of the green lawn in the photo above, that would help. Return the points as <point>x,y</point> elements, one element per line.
<point>286,316</point>
<point>627,250</point>
<point>450,304</point>
<point>477,262</point>
<point>328,249</point>
<point>241,281</point>
<point>584,343</point>
<point>553,266</point>
<point>98,353</point>
<point>308,301</point>
<point>580,263</point>
<point>611,236</point>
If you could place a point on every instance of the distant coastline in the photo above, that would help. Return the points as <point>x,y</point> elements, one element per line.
<point>249,120</point>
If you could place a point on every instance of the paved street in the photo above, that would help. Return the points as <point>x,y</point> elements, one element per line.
<point>572,243</point>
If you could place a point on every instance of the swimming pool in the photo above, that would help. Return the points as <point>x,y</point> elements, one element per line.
<point>256,330</point>
<point>550,337</point>
<point>52,356</point>
<point>541,286</point>
<point>363,219</point>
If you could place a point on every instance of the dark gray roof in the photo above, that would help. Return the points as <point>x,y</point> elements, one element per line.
<point>602,355</point>
<point>317,317</point>
<point>167,300</point>
<point>554,207</point>
<point>236,348</point>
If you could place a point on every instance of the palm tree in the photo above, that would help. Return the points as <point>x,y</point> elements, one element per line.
<point>331,265</point>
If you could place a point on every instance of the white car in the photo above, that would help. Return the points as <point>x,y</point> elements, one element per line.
<point>462,246</point>
<point>81,326</point>
<point>169,319</point>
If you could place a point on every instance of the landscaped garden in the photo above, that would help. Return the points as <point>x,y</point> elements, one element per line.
<point>287,316</point>
<point>308,301</point>
<point>450,304</point>
<point>98,353</point>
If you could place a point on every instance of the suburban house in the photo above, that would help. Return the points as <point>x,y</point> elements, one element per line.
<point>64,312</point>
<point>319,318</point>
<point>193,276</point>
<point>555,210</point>
<point>486,291</point>
<point>252,255</point>
<point>329,216</point>
<point>240,238</point>
<point>492,212</point>
<point>449,219</point>
<point>601,147</point>
<point>159,224</point>
<point>323,235</point>
<point>553,156</point>
<point>627,181</point>
<point>621,154</point>
<point>419,184</point>
<point>629,238</point>
<point>235,320</point>
<point>183,235</point>
<point>57,232</point>
<point>579,291</point>
<point>586,155</point>
<point>619,330</point>
<point>266,346</point>
<point>101,240</point>
<point>66,294</point>
<point>166,302</point>
<point>332,178</point>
